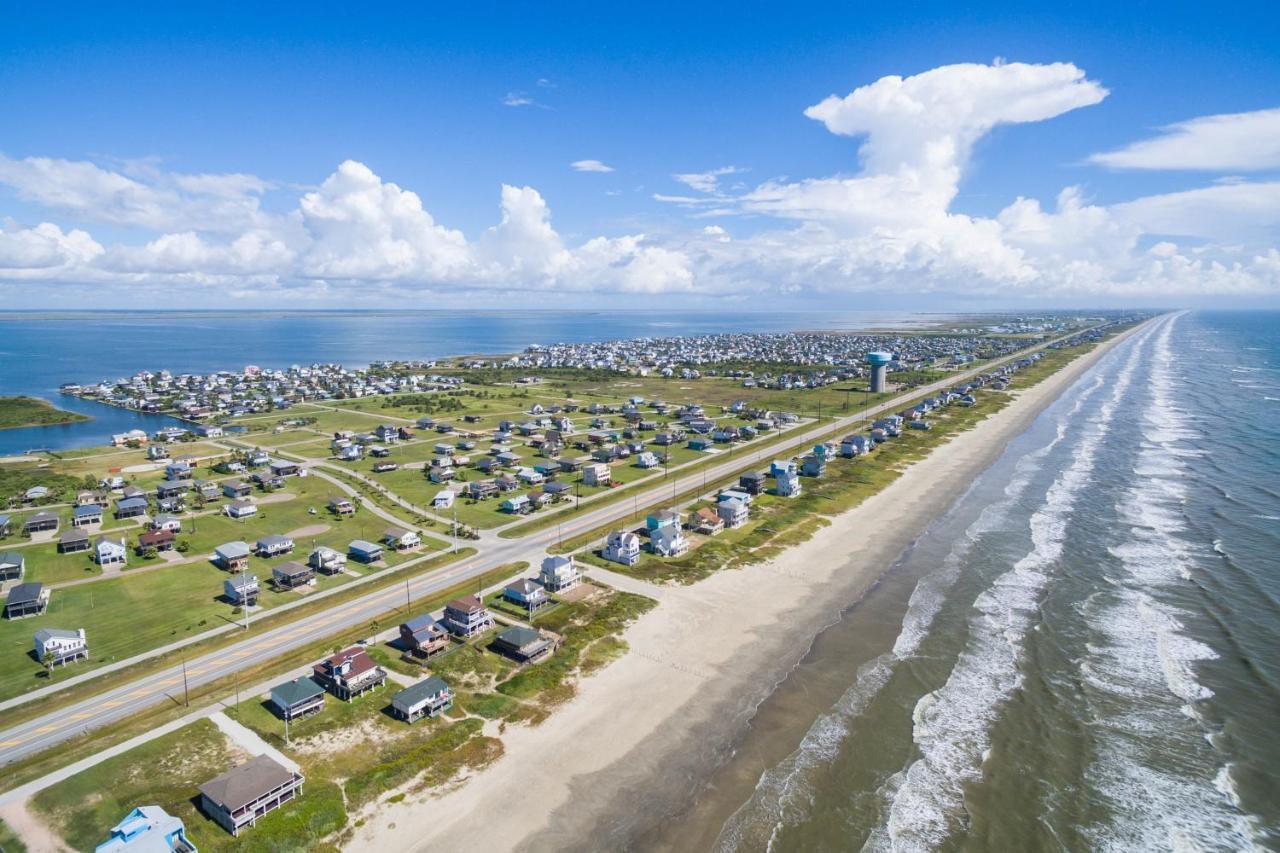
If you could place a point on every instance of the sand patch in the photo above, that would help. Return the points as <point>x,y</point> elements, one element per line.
<point>309,530</point>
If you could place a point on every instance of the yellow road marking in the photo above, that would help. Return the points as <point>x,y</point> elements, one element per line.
<point>10,742</point>
<point>43,729</point>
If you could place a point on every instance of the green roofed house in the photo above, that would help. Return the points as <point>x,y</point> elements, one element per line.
<point>522,644</point>
<point>297,698</point>
<point>242,795</point>
<point>427,698</point>
<point>148,829</point>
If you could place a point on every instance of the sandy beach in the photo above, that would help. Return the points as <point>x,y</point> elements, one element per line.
<point>630,744</point>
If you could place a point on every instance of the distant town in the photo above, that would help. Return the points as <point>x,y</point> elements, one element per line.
<point>788,361</point>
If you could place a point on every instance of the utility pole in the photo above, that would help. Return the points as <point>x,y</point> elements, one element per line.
<point>408,602</point>
<point>455,526</point>
<point>186,695</point>
<point>244,595</point>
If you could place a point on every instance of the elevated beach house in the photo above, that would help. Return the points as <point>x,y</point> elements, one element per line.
<point>363,551</point>
<point>236,489</point>
<point>232,556</point>
<point>733,512</point>
<point>240,509</point>
<point>110,552</point>
<point>786,478</point>
<point>467,616</point>
<point>160,540</point>
<point>707,522</point>
<point>273,545</point>
<point>40,522</point>
<point>241,590</point>
<point>62,645</point>
<point>242,795</point>
<point>559,573</point>
<point>399,539</point>
<point>148,829</point>
<point>83,516</point>
<point>341,506</point>
<point>596,474</point>
<point>349,673</point>
<point>298,697</point>
<point>623,547</point>
<point>13,564</point>
<point>327,561</point>
<point>131,507</point>
<point>523,644</point>
<point>26,599</point>
<point>291,575</point>
<point>73,541</point>
<point>422,636</point>
<point>526,594</point>
<point>427,698</point>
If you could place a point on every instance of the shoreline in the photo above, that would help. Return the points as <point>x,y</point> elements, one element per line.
<point>633,745</point>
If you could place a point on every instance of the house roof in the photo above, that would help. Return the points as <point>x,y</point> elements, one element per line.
<point>46,634</point>
<point>291,569</point>
<point>524,586</point>
<point>466,604</point>
<point>242,581</point>
<point>360,660</point>
<point>13,558</point>
<point>420,623</point>
<point>42,516</point>
<point>273,539</point>
<point>518,636</point>
<point>232,550</point>
<point>154,537</point>
<point>364,545</point>
<point>395,533</point>
<point>241,785</point>
<point>24,593</point>
<point>131,503</point>
<point>297,690</point>
<point>87,511</point>
<point>146,829</point>
<point>421,691</point>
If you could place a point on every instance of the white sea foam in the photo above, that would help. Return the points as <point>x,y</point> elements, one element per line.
<point>784,791</point>
<point>1143,672</point>
<point>952,724</point>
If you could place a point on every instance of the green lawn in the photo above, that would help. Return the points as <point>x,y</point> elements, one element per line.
<point>168,772</point>
<point>178,600</point>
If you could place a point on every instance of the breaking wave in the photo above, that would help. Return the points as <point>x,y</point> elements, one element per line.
<point>952,724</point>
<point>784,791</point>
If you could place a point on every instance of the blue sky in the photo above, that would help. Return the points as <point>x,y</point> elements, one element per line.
<point>454,104</point>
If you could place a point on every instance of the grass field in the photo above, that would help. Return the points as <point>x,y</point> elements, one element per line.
<point>168,772</point>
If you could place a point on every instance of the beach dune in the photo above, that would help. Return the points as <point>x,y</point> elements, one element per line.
<point>630,745</point>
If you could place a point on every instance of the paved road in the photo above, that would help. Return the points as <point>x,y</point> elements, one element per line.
<point>257,647</point>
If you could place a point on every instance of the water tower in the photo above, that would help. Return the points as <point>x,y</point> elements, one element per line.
<point>879,364</point>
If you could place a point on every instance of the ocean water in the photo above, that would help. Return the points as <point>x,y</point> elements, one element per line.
<point>40,351</point>
<point>1083,654</point>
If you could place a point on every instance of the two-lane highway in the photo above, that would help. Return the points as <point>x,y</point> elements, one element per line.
<point>262,646</point>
